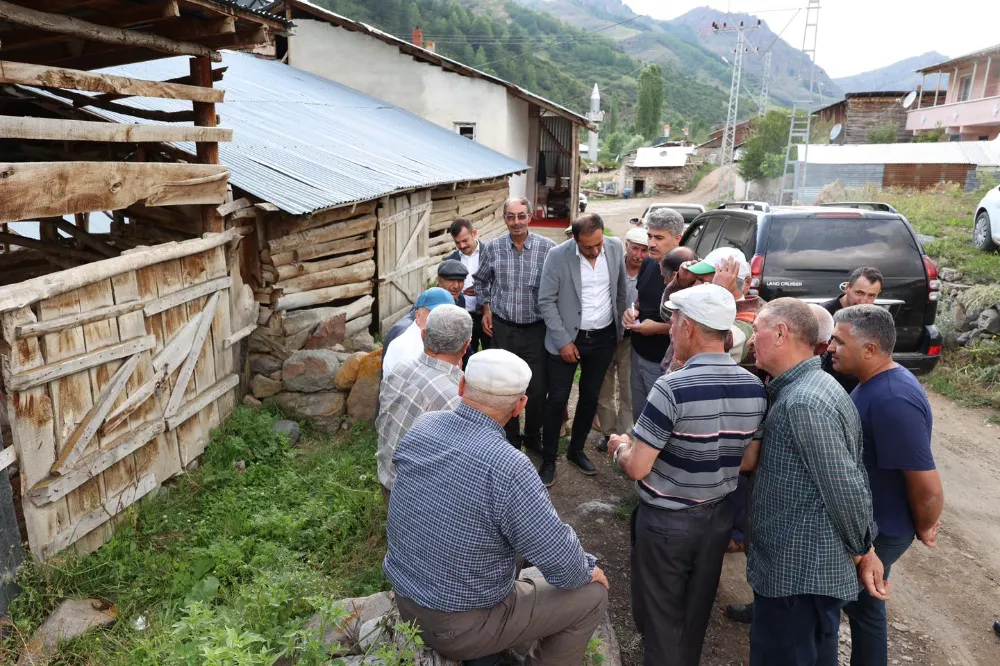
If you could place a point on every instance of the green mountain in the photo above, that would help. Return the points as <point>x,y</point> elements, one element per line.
<point>545,55</point>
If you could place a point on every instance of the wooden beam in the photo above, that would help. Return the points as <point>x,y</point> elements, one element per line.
<point>75,27</point>
<point>217,75</point>
<point>325,295</point>
<point>82,237</point>
<point>133,402</point>
<point>196,29</point>
<point>205,318</point>
<point>208,152</point>
<point>61,77</point>
<point>184,295</point>
<point>236,11</point>
<point>62,323</point>
<point>51,189</point>
<point>42,246</point>
<point>74,364</point>
<point>80,101</point>
<point>52,129</point>
<point>239,335</point>
<point>203,400</point>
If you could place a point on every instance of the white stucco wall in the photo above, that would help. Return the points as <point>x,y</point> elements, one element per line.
<point>442,97</point>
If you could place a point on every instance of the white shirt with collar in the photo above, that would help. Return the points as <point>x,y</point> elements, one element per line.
<point>595,293</point>
<point>409,345</point>
<point>471,263</point>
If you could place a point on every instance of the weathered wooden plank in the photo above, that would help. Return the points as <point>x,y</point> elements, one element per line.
<point>225,357</point>
<point>330,278</point>
<point>217,75</point>
<point>73,450</point>
<point>299,269</point>
<point>355,326</point>
<point>203,400</point>
<point>30,291</point>
<point>233,206</point>
<point>62,323</point>
<point>408,268</point>
<point>49,247</point>
<point>403,215</point>
<point>98,516</point>
<point>55,487</point>
<point>239,335</point>
<point>185,295</point>
<point>320,296</point>
<point>325,234</point>
<point>320,250</point>
<point>134,401</point>
<point>187,370</point>
<point>51,189</point>
<point>322,218</point>
<point>50,129</point>
<point>68,25</point>
<point>77,363</point>
<point>170,357</point>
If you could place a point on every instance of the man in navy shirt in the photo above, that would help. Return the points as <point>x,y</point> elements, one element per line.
<point>896,421</point>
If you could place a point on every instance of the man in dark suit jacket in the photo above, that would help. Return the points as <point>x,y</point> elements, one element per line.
<point>467,252</point>
<point>581,296</point>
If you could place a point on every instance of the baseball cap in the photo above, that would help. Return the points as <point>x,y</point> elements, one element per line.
<point>637,235</point>
<point>452,269</point>
<point>497,372</point>
<point>708,304</point>
<point>716,257</point>
<point>434,297</point>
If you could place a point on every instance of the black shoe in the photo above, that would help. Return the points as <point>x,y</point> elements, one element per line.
<point>996,628</point>
<point>532,444</point>
<point>547,473</point>
<point>740,612</point>
<point>602,445</point>
<point>583,462</point>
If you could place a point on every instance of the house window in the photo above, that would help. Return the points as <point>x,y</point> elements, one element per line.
<point>965,88</point>
<point>468,130</point>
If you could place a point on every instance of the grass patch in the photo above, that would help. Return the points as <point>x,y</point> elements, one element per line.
<point>703,169</point>
<point>970,375</point>
<point>227,566</point>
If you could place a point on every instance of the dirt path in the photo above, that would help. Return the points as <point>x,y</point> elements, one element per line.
<point>944,601</point>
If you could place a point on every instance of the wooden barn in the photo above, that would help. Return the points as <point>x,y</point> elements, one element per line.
<point>119,342</point>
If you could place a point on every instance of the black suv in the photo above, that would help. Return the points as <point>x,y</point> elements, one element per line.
<point>809,253</point>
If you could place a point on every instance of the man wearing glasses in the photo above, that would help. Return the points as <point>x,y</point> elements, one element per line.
<point>506,284</point>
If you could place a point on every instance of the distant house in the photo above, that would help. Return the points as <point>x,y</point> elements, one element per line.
<point>970,109</point>
<point>712,148</point>
<point>469,102</point>
<point>860,112</point>
<point>657,170</point>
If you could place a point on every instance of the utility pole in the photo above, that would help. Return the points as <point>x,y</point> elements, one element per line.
<point>765,86</point>
<point>798,133</point>
<point>595,115</point>
<point>727,184</point>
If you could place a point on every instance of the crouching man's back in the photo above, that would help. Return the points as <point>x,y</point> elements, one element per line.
<point>465,505</point>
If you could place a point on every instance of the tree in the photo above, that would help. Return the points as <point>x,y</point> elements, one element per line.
<point>614,144</point>
<point>764,152</point>
<point>611,122</point>
<point>480,61</point>
<point>884,133</point>
<point>649,108</point>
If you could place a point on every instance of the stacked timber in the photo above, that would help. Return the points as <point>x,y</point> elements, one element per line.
<point>480,204</point>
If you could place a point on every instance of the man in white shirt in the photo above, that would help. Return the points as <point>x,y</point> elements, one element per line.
<point>581,297</point>
<point>467,251</point>
<point>410,344</point>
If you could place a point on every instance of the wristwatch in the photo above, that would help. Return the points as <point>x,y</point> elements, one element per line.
<point>617,453</point>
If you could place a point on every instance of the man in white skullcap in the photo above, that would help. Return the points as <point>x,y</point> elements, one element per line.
<point>466,502</point>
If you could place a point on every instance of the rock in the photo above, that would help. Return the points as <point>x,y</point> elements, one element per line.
<point>595,506</point>
<point>348,373</point>
<point>361,342</point>
<point>72,618</point>
<point>264,387</point>
<point>961,318</point>
<point>361,610</point>
<point>963,339</point>
<point>900,627</point>
<point>289,429</point>
<point>378,631</point>
<point>951,275</point>
<point>264,364</point>
<point>305,320</point>
<point>276,375</point>
<point>989,322</point>
<point>324,408</point>
<point>338,348</point>
<point>311,370</point>
<point>330,332</point>
<point>364,394</point>
<point>251,401</point>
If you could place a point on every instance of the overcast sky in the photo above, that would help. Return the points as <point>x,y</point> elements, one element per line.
<point>860,35</point>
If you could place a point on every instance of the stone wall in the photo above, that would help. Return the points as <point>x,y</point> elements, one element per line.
<point>971,313</point>
<point>660,180</point>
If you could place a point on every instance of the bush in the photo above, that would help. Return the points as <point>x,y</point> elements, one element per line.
<point>883,133</point>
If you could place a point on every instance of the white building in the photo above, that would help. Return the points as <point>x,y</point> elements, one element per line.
<point>477,105</point>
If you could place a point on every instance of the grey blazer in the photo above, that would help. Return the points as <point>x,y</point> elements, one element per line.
<point>559,292</point>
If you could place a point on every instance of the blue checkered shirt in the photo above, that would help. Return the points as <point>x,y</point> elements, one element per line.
<point>507,280</point>
<point>812,506</point>
<point>465,505</point>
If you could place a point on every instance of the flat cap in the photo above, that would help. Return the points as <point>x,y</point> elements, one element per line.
<point>452,269</point>
<point>497,372</point>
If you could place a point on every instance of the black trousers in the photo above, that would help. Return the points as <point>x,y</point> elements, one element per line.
<point>801,630</point>
<point>479,338</point>
<point>676,562</point>
<point>527,342</point>
<point>597,349</point>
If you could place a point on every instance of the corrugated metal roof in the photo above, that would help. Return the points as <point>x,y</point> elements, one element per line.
<point>305,143</point>
<point>944,64</point>
<point>672,156</point>
<point>978,153</point>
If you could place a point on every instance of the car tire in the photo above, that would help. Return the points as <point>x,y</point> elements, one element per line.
<point>982,235</point>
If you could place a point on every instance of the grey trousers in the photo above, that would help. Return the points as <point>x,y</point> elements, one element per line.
<point>644,375</point>
<point>617,422</point>
<point>562,621</point>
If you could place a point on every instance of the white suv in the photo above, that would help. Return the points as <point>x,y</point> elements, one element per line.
<point>986,232</point>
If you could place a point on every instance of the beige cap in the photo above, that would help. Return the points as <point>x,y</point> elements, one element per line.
<point>707,304</point>
<point>638,236</point>
<point>497,372</point>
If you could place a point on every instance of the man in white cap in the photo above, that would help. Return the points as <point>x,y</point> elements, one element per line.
<point>467,503</point>
<point>620,371</point>
<point>688,450</point>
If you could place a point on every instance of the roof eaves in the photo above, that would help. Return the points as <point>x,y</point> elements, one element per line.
<point>946,64</point>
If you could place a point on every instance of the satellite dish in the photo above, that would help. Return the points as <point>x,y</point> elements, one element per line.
<point>835,132</point>
<point>909,99</point>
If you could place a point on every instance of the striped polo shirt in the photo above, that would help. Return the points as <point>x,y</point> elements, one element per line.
<point>700,418</point>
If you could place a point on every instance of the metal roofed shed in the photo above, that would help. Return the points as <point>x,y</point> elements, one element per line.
<point>918,165</point>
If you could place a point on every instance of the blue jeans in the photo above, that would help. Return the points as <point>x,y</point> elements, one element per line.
<point>867,614</point>
<point>800,630</point>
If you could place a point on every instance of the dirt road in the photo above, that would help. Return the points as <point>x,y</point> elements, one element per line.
<point>944,601</point>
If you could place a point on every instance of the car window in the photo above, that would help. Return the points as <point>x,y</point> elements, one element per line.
<point>835,245</point>
<point>694,234</point>
<point>711,233</point>
<point>738,233</point>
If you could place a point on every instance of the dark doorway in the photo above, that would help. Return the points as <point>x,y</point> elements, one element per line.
<point>640,186</point>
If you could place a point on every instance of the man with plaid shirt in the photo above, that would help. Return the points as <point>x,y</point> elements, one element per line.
<point>425,384</point>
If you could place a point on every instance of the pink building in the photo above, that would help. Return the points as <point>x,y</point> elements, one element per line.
<point>969,109</point>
